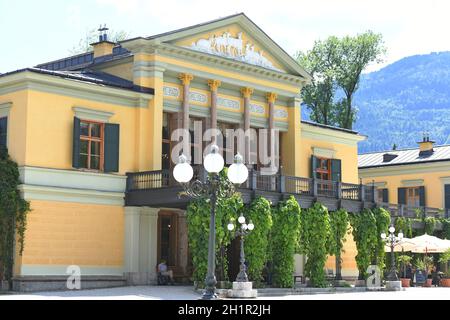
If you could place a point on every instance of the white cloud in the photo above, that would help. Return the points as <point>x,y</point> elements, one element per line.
<point>408,26</point>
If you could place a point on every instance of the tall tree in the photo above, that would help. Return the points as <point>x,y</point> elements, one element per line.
<point>91,36</point>
<point>318,96</point>
<point>354,55</point>
<point>336,64</point>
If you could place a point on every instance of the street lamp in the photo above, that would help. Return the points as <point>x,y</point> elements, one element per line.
<point>211,189</point>
<point>242,232</point>
<point>391,240</point>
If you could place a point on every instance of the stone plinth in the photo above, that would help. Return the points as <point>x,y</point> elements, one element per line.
<point>242,290</point>
<point>393,285</point>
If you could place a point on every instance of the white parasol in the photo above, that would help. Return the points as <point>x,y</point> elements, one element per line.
<point>429,244</point>
<point>403,245</point>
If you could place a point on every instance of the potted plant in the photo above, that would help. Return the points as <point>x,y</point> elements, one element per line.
<point>428,261</point>
<point>445,259</point>
<point>420,275</point>
<point>404,263</point>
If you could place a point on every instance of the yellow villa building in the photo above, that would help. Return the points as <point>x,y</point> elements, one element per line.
<point>418,177</point>
<point>91,135</point>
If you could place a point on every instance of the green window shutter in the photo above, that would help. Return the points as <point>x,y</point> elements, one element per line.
<point>112,132</point>
<point>76,143</point>
<point>3,131</point>
<point>385,195</point>
<point>422,196</point>
<point>401,196</point>
<point>336,171</point>
<point>313,167</point>
<point>447,196</point>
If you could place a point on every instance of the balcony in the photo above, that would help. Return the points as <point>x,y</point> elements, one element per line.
<point>159,189</point>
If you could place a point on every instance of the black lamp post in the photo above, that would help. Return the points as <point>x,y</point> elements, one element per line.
<point>391,240</point>
<point>212,189</point>
<point>241,232</point>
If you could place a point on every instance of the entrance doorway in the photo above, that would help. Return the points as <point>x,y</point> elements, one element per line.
<point>167,237</point>
<point>234,251</point>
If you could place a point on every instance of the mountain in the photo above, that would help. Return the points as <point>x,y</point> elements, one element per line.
<point>399,102</point>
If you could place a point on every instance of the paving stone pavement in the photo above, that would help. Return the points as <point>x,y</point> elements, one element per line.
<point>187,293</point>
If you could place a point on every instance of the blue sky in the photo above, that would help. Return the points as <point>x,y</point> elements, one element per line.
<point>33,32</point>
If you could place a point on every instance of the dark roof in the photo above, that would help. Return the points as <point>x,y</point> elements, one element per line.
<point>84,60</point>
<point>329,127</point>
<point>89,76</point>
<point>404,157</point>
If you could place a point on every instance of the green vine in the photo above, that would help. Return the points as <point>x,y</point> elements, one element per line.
<point>445,228</point>
<point>256,243</point>
<point>430,224</point>
<point>383,220</point>
<point>315,234</point>
<point>284,237</point>
<point>198,219</point>
<point>339,221</point>
<point>405,225</point>
<point>365,235</point>
<point>13,214</point>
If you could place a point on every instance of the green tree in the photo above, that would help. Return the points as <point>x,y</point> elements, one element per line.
<point>354,55</point>
<point>320,63</point>
<point>336,64</point>
<point>91,36</point>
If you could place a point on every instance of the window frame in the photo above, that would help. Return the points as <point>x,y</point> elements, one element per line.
<point>320,171</point>
<point>415,198</point>
<point>91,139</point>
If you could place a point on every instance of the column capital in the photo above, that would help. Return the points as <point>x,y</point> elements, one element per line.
<point>186,78</point>
<point>214,84</point>
<point>247,92</point>
<point>271,97</point>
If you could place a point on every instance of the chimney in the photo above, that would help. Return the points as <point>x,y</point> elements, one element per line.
<point>103,47</point>
<point>426,145</point>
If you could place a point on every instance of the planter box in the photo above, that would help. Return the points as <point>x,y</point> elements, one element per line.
<point>406,282</point>
<point>445,282</point>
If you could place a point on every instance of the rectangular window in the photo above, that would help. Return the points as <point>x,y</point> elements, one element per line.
<point>413,197</point>
<point>323,170</point>
<point>91,145</point>
<point>3,131</point>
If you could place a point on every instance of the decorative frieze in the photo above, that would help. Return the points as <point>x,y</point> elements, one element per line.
<point>255,108</point>
<point>171,92</point>
<point>228,103</point>
<point>280,113</point>
<point>198,97</point>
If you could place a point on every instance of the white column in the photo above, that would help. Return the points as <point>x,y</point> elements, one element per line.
<point>149,242</point>
<point>131,248</point>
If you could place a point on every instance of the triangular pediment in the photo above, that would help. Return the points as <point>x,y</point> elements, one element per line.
<point>235,37</point>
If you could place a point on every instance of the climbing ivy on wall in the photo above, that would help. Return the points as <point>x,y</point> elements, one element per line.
<point>256,243</point>
<point>383,221</point>
<point>445,228</point>
<point>314,239</point>
<point>13,214</point>
<point>339,221</point>
<point>405,225</point>
<point>198,219</point>
<point>284,241</point>
<point>365,235</point>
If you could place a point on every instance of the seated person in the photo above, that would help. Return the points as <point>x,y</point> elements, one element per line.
<point>164,270</point>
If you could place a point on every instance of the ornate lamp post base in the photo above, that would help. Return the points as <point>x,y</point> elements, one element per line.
<point>393,285</point>
<point>242,290</point>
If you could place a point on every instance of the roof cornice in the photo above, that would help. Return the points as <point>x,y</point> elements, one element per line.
<point>28,80</point>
